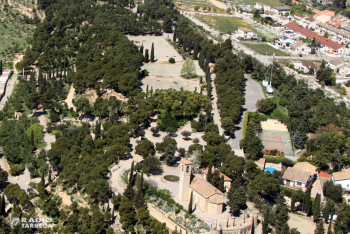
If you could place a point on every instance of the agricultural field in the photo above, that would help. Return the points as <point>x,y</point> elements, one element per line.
<point>252,2</point>
<point>204,6</point>
<point>16,27</point>
<point>265,49</point>
<point>225,24</point>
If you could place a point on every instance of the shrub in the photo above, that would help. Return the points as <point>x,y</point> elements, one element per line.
<point>287,162</point>
<point>171,60</point>
<point>145,72</point>
<point>54,132</point>
<point>16,169</point>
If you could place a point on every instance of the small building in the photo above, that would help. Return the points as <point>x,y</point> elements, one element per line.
<point>343,178</point>
<point>300,176</point>
<point>335,64</point>
<point>261,6</point>
<point>246,33</point>
<point>227,180</point>
<point>305,66</point>
<point>206,197</point>
<point>299,17</point>
<point>344,71</point>
<point>281,9</point>
<point>300,48</point>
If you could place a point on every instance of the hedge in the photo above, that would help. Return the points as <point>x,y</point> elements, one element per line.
<point>288,191</point>
<point>275,160</point>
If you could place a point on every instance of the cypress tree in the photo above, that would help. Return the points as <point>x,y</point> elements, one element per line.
<point>152,53</point>
<point>138,199</point>
<point>317,208</point>
<point>32,139</point>
<point>307,202</point>
<point>292,205</point>
<point>0,67</point>
<point>266,222</point>
<point>190,204</point>
<point>216,179</point>
<point>195,52</point>
<point>129,192</point>
<point>50,176</point>
<point>281,214</point>
<point>1,214</point>
<point>146,56</point>
<point>221,186</point>
<point>209,175</point>
<point>141,49</point>
<point>14,203</point>
<point>326,211</point>
<point>108,209</point>
<point>113,214</point>
<point>174,36</point>
<point>3,211</point>
<point>131,176</point>
<point>98,130</point>
<point>319,227</point>
<point>42,178</point>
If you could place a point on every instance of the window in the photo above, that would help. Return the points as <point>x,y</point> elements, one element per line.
<point>187,168</point>
<point>182,168</point>
<point>347,186</point>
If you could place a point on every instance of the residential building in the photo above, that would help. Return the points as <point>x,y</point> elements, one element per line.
<point>335,64</point>
<point>328,46</point>
<point>309,23</point>
<point>345,70</point>
<point>261,6</point>
<point>246,33</point>
<point>305,66</point>
<point>282,20</point>
<point>300,48</point>
<point>206,197</point>
<point>227,180</point>
<point>325,2</point>
<point>281,10</point>
<point>300,176</point>
<point>334,33</point>
<point>299,17</point>
<point>343,178</point>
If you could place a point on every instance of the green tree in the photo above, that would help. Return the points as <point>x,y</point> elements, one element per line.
<point>37,131</point>
<point>317,208</point>
<point>154,131</point>
<point>167,23</point>
<point>141,49</point>
<point>324,74</point>
<point>129,191</point>
<point>3,176</point>
<point>145,148</point>
<point>131,176</point>
<point>265,226</point>
<point>42,178</point>
<point>319,227</point>
<point>169,154</point>
<point>138,199</point>
<point>216,178</point>
<point>1,205</point>
<point>210,175</point>
<point>297,140</point>
<point>237,199</point>
<point>188,69</point>
<point>195,52</point>
<point>190,204</point>
<point>221,186</point>
<point>152,53</point>
<point>186,134</point>
<point>152,165</point>
<point>266,105</point>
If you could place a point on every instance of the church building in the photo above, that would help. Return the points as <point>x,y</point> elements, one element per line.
<point>206,197</point>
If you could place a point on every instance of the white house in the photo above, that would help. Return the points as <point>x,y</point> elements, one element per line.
<point>300,48</point>
<point>305,66</point>
<point>261,6</point>
<point>246,33</point>
<point>281,10</point>
<point>344,71</point>
<point>343,178</point>
<point>300,176</point>
<point>335,64</point>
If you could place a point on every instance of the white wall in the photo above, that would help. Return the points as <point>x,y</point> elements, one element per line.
<point>344,183</point>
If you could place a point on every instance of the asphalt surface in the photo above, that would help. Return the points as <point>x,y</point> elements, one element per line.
<point>9,89</point>
<point>253,93</point>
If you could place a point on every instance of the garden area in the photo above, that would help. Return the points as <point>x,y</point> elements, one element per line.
<point>265,49</point>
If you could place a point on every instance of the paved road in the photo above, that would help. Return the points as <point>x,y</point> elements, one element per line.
<point>9,89</point>
<point>216,113</point>
<point>253,93</point>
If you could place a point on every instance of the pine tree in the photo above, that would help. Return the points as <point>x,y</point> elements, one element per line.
<point>319,227</point>
<point>285,229</point>
<point>138,199</point>
<point>281,215</point>
<point>298,140</point>
<point>317,208</point>
<point>209,175</point>
<point>307,202</point>
<point>195,52</point>
<point>50,176</point>
<point>265,226</point>
<point>152,53</point>
<point>237,199</point>
<point>190,204</point>
<point>131,176</point>
<point>141,49</point>
<point>146,56</point>
<point>221,186</point>
<point>42,178</point>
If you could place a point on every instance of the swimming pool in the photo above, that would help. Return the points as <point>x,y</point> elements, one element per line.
<point>270,169</point>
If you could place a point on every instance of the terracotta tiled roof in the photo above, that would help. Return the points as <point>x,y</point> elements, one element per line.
<point>185,161</point>
<point>205,171</point>
<point>203,187</point>
<point>216,199</point>
<point>342,175</point>
<point>300,16</point>
<point>297,44</point>
<point>305,166</point>
<point>309,19</point>
<point>323,174</point>
<point>296,175</point>
<point>311,35</point>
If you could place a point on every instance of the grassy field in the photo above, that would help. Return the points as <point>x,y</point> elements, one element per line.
<point>192,3</point>
<point>265,49</point>
<point>15,28</point>
<point>224,24</point>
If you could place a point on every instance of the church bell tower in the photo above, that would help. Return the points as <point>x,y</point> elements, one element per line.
<point>185,179</point>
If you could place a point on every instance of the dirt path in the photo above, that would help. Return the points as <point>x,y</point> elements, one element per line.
<point>305,225</point>
<point>22,9</point>
<point>70,98</point>
<point>218,4</point>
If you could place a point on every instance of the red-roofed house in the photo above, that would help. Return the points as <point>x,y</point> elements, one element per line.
<point>324,174</point>
<point>227,180</point>
<point>329,46</point>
